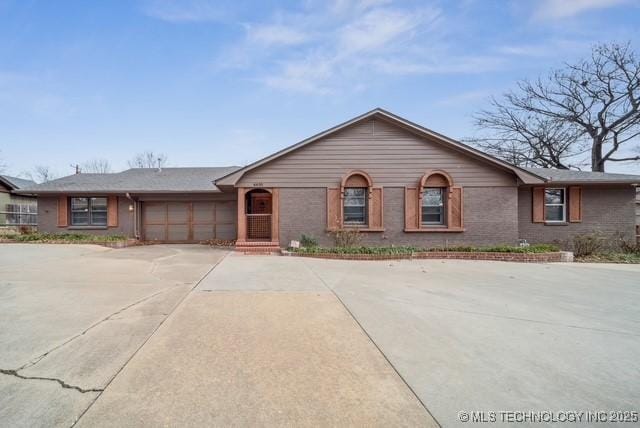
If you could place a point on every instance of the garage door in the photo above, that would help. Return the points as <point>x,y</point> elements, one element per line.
<point>188,221</point>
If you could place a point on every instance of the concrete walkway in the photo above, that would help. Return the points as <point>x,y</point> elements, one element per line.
<point>260,342</point>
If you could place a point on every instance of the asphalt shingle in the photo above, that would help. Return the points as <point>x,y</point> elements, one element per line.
<point>572,176</point>
<point>138,180</point>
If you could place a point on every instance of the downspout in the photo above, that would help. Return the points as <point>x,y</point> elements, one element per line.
<point>135,216</point>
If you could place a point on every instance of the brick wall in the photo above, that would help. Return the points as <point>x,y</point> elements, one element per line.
<point>490,217</point>
<point>48,219</point>
<point>609,210</point>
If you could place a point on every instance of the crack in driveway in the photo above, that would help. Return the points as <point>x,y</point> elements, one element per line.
<point>62,383</point>
<point>39,358</point>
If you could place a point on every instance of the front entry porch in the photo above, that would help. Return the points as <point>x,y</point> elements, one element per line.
<point>258,221</point>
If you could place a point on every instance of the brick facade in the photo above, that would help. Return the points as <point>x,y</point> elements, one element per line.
<point>48,219</point>
<point>490,218</point>
<point>609,210</point>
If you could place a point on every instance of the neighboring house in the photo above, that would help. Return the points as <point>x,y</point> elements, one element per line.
<point>394,181</point>
<point>16,210</point>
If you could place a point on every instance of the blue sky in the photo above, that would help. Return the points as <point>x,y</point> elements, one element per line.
<point>226,82</point>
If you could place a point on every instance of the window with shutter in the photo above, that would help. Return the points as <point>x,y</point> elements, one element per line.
<point>435,206</point>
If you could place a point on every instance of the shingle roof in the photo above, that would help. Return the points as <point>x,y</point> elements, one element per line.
<point>138,180</point>
<point>15,182</point>
<point>571,176</point>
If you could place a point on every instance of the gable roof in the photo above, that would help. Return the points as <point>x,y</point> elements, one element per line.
<point>588,177</point>
<point>525,176</point>
<point>137,180</point>
<point>15,183</point>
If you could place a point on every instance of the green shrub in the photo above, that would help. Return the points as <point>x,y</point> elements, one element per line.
<point>308,241</point>
<point>64,237</point>
<point>402,250</point>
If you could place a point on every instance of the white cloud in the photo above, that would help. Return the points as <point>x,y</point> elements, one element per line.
<point>275,34</point>
<point>348,46</point>
<point>379,27</point>
<point>186,10</point>
<point>557,9</point>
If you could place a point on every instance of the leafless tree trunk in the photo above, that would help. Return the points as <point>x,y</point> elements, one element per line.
<point>100,166</point>
<point>148,159</point>
<point>589,107</point>
<point>41,174</point>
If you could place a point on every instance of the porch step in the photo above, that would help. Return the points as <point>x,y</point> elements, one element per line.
<point>258,247</point>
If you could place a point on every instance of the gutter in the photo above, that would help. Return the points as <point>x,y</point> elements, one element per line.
<point>136,234</point>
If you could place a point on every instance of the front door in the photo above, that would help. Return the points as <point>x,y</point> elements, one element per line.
<point>259,215</point>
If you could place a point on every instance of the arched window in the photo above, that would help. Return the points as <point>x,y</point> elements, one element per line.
<point>435,205</point>
<point>434,192</point>
<point>356,204</point>
<point>356,188</point>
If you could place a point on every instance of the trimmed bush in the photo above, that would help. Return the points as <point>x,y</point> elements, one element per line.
<point>63,237</point>
<point>308,241</point>
<point>541,248</point>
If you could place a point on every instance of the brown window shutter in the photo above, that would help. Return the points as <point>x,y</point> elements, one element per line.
<point>457,219</point>
<point>334,209</point>
<point>63,211</point>
<point>376,207</point>
<point>575,204</point>
<point>411,213</point>
<point>112,211</point>
<point>538,205</point>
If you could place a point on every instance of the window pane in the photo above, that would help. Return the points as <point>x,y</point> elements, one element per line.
<point>354,215</point>
<point>79,218</point>
<point>555,213</point>
<point>99,204</point>
<point>432,197</point>
<point>354,197</point>
<point>554,196</point>
<point>99,218</point>
<point>79,203</point>
<point>433,215</point>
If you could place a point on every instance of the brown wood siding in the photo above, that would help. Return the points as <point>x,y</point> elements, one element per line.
<point>411,210</point>
<point>63,211</point>
<point>112,211</point>
<point>538,205</point>
<point>392,156</point>
<point>575,204</point>
<point>456,219</point>
<point>376,220</point>
<point>334,209</point>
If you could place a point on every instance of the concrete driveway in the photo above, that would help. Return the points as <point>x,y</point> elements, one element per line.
<point>266,341</point>
<point>71,317</point>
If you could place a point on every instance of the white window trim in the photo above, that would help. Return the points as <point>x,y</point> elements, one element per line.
<point>563,205</point>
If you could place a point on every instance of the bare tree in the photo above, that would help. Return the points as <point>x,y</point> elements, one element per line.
<point>592,107</point>
<point>148,159</point>
<point>41,174</point>
<point>526,139</point>
<point>100,166</point>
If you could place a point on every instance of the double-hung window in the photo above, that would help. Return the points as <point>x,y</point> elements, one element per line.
<point>433,206</point>
<point>88,211</point>
<point>355,206</point>
<point>555,205</point>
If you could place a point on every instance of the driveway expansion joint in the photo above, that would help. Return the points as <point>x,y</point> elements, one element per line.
<point>62,383</point>
<point>195,285</point>
<point>393,367</point>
